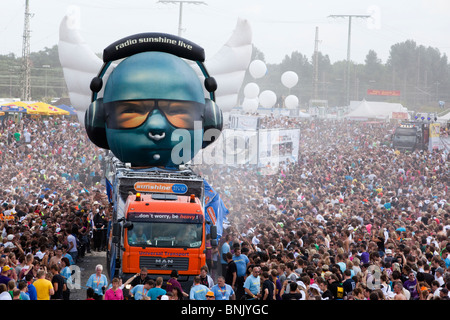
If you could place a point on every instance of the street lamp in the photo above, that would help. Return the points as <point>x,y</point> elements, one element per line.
<point>46,66</point>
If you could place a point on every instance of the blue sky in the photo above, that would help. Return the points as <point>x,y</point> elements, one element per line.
<point>279,27</point>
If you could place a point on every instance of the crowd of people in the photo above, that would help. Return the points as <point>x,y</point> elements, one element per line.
<point>353,219</point>
<point>53,208</point>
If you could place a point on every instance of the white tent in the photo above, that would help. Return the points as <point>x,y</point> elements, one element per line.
<point>353,105</point>
<point>375,110</point>
<point>444,119</point>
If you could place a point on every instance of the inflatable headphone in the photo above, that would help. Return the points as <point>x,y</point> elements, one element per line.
<point>138,43</point>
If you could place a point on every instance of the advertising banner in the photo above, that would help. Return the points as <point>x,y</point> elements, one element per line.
<point>400,115</point>
<point>276,146</point>
<point>252,147</point>
<point>435,141</point>
<point>165,217</point>
<point>243,122</point>
<point>393,93</point>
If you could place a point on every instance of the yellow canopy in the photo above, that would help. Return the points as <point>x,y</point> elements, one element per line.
<point>18,103</point>
<point>39,108</point>
<point>47,109</point>
<point>23,104</point>
<point>31,109</point>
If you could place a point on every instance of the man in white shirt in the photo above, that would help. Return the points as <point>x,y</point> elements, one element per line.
<point>10,210</point>
<point>27,136</point>
<point>73,251</point>
<point>438,275</point>
<point>4,294</point>
<point>9,243</point>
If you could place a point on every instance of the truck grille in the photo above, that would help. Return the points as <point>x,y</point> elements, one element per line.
<point>164,263</point>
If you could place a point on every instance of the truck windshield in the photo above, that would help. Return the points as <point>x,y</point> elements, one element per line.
<point>166,235</point>
<point>405,138</point>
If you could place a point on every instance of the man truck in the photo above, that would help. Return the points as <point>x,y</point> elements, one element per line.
<point>411,136</point>
<point>158,222</point>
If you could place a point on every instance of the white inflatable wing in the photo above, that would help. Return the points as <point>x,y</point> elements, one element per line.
<point>229,64</point>
<point>80,65</point>
<point>78,62</point>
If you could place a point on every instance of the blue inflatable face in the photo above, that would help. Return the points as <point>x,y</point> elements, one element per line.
<point>154,106</point>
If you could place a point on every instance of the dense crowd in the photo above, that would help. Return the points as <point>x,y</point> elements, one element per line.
<point>353,219</point>
<point>51,199</point>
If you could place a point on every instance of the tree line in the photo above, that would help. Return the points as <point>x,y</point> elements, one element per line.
<point>418,75</point>
<point>47,78</point>
<point>414,75</point>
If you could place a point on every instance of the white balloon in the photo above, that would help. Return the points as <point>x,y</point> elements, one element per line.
<point>250,105</point>
<point>267,98</point>
<point>257,69</point>
<point>291,101</point>
<point>251,90</point>
<point>289,79</point>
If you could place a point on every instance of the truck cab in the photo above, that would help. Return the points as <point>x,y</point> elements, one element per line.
<point>158,222</point>
<point>409,137</point>
<point>163,233</point>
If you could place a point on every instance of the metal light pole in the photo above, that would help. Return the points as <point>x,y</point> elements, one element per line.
<point>180,16</point>
<point>46,66</point>
<point>348,46</point>
<point>26,62</point>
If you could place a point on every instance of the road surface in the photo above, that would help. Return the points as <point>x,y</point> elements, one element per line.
<point>86,269</point>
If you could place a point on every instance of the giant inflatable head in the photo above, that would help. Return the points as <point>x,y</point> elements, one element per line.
<point>147,97</point>
<point>153,111</point>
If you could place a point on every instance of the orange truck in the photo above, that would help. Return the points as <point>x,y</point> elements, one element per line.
<point>158,222</point>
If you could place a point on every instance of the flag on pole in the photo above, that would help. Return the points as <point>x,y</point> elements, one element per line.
<point>215,209</point>
<point>109,190</point>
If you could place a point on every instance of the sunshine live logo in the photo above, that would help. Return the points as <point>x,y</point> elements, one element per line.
<point>177,188</point>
